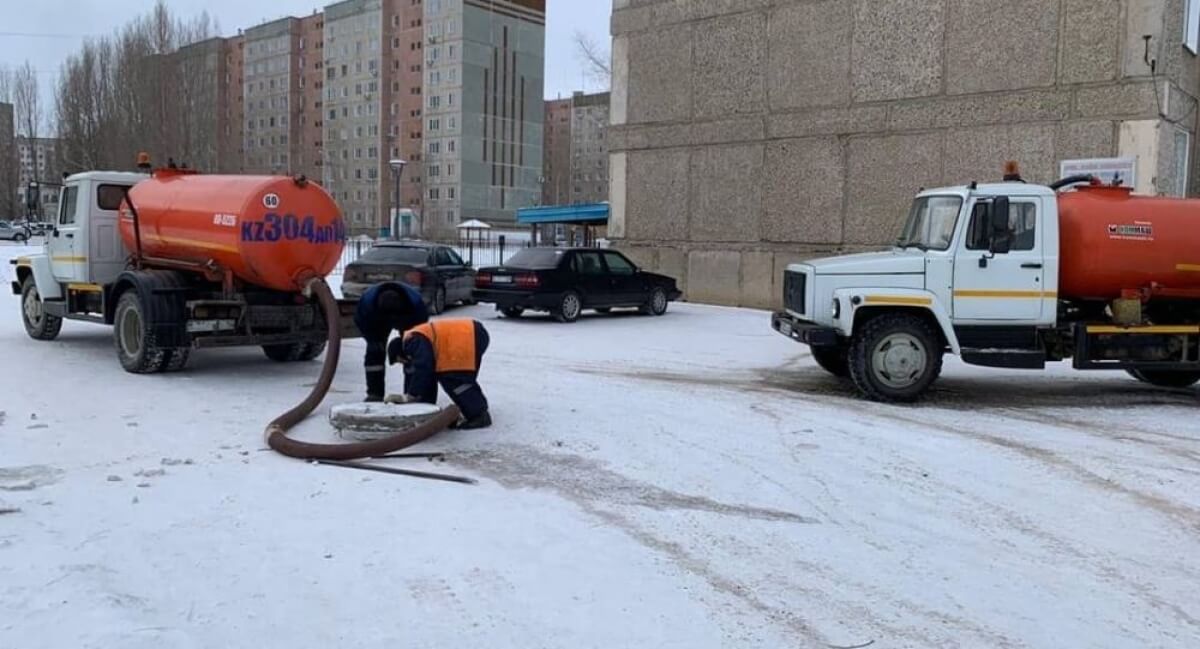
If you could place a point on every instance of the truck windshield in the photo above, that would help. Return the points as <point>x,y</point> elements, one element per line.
<point>931,223</point>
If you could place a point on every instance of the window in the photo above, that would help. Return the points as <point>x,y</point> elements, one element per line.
<point>66,215</point>
<point>1183,150</point>
<point>1022,224</point>
<point>442,258</point>
<point>109,197</point>
<point>931,223</point>
<point>587,263</point>
<point>618,265</point>
<point>1191,25</point>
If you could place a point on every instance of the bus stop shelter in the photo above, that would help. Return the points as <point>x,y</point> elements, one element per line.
<point>581,224</point>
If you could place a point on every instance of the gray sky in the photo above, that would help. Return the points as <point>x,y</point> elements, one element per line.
<point>72,20</point>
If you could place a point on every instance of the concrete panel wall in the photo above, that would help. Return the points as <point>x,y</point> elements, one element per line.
<point>749,134</point>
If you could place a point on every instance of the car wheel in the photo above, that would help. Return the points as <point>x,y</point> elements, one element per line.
<point>895,358</point>
<point>835,360</point>
<point>439,302</point>
<point>657,303</point>
<point>569,307</point>
<point>38,324</point>
<point>1166,379</point>
<point>513,312</point>
<point>132,337</point>
<point>19,237</point>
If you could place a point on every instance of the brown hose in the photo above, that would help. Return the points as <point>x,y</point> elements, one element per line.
<point>276,432</point>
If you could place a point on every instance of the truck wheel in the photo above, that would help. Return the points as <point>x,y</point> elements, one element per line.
<point>132,337</point>
<point>286,353</point>
<point>176,359</point>
<point>38,324</point>
<point>513,312</point>
<point>1166,379</point>
<point>312,351</point>
<point>569,307</point>
<point>895,358</point>
<point>835,360</point>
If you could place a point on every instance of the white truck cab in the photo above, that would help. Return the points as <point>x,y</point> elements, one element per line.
<point>975,272</point>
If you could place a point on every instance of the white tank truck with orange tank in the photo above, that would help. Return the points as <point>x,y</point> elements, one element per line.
<point>1009,275</point>
<point>176,260</point>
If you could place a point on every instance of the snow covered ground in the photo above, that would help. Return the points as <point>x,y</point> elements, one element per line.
<point>687,481</point>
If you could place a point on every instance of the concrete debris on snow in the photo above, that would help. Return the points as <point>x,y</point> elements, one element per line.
<point>687,481</point>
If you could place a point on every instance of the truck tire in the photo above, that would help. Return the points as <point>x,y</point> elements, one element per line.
<point>132,338</point>
<point>38,324</point>
<point>286,353</point>
<point>1166,379</point>
<point>895,358</point>
<point>570,305</point>
<point>835,360</point>
<point>176,359</point>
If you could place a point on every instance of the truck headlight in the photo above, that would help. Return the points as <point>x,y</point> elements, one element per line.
<point>835,309</point>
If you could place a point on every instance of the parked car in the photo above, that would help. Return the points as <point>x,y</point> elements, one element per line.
<point>13,232</point>
<point>565,281</point>
<point>437,271</point>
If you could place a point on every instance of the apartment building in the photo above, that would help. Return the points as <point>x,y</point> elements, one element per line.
<point>310,70</point>
<point>484,63</point>
<point>233,108</point>
<point>272,97</point>
<point>576,150</point>
<point>37,161</point>
<point>403,133</point>
<point>9,191</point>
<point>353,60</point>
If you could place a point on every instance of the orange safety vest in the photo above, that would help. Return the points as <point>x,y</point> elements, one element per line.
<point>453,344</point>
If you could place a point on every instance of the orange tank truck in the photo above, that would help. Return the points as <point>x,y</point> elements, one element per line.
<point>273,232</point>
<point>176,261</point>
<point>1113,243</point>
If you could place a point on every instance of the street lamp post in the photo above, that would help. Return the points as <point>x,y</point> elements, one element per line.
<point>397,166</point>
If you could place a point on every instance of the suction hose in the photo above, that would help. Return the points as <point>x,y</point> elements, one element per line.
<point>277,430</point>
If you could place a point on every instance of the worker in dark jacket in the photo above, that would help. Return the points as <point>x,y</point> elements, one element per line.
<point>448,352</point>
<point>383,308</point>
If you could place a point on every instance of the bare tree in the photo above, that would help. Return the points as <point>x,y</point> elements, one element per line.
<point>596,60</point>
<point>29,115</point>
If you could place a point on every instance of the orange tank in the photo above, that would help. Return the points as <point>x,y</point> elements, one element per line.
<point>270,231</point>
<point>1112,241</point>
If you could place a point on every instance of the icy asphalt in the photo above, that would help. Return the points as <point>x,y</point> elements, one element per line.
<point>686,481</point>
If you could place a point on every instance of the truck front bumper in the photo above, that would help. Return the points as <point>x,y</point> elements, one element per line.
<point>804,332</point>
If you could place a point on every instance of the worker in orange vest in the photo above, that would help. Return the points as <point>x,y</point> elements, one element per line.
<point>448,352</point>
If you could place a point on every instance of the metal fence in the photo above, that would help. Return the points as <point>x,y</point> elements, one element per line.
<point>476,253</point>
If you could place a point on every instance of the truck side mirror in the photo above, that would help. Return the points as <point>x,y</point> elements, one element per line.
<point>1001,233</point>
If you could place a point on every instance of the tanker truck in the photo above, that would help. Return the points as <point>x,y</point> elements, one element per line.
<point>176,260</point>
<point>1009,275</point>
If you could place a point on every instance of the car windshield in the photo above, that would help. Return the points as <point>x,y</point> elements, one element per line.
<point>395,255</point>
<point>931,223</point>
<point>536,258</point>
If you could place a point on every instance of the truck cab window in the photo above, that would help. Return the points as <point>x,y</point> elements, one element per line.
<point>1022,223</point>
<point>66,215</point>
<point>109,197</point>
<point>931,223</point>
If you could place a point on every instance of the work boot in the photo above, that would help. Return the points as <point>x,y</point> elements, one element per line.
<point>376,386</point>
<point>481,421</point>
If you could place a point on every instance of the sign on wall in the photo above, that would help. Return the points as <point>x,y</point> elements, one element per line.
<point>1106,169</point>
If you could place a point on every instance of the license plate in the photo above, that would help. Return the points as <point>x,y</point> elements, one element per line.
<point>380,277</point>
<point>501,279</point>
<point>785,328</point>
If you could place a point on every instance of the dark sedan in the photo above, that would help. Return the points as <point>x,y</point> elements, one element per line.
<point>565,281</point>
<point>435,270</point>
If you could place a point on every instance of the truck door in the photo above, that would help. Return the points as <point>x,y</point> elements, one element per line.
<point>1010,286</point>
<point>68,261</point>
<point>105,252</point>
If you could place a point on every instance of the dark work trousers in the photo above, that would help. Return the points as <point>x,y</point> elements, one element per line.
<point>375,364</point>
